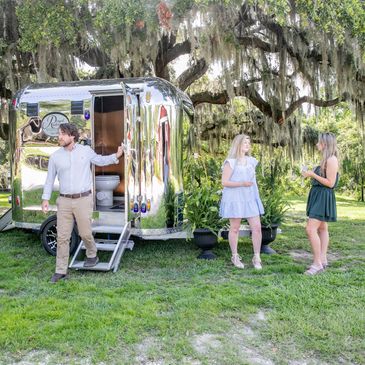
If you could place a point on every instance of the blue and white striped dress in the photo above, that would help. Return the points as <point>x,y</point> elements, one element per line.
<point>241,202</point>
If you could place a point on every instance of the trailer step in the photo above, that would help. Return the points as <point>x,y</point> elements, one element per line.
<point>107,229</point>
<point>109,246</point>
<point>101,266</point>
<point>103,246</point>
<point>115,247</point>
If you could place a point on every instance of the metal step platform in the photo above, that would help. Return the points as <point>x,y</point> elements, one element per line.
<point>114,246</point>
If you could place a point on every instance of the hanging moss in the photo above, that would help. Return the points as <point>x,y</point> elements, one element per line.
<point>308,52</point>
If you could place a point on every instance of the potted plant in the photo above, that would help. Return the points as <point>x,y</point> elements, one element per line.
<point>273,184</point>
<point>275,205</point>
<point>202,197</point>
<point>202,213</point>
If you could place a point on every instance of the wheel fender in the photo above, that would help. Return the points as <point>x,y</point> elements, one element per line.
<point>50,218</point>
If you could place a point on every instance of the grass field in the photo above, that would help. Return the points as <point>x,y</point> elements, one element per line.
<point>166,307</point>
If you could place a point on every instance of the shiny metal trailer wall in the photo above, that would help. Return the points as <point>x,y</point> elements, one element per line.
<point>147,114</point>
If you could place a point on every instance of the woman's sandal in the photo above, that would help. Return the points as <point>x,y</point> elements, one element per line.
<point>324,265</point>
<point>236,261</point>
<point>313,270</point>
<point>256,262</point>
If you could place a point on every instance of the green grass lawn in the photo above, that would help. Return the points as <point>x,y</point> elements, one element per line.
<point>166,307</point>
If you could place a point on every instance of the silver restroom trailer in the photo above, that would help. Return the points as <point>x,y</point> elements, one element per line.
<point>142,195</point>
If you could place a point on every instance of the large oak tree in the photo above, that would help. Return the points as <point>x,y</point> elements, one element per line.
<point>279,54</point>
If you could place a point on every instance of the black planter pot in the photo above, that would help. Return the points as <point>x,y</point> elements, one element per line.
<point>268,236</point>
<point>169,223</point>
<point>206,240</point>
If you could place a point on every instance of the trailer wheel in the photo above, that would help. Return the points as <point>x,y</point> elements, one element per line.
<point>49,237</point>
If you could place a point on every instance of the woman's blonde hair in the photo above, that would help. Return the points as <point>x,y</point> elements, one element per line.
<point>235,150</point>
<point>329,143</point>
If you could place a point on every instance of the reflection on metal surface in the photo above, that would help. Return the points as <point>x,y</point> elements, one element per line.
<point>160,234</point>
<point>149,119</point>
<point>148,96</point>
<point>25,225</point>
<point>31,130</point>
<point>51,123</point>
<point>164,144</point>
<point>38,162</point>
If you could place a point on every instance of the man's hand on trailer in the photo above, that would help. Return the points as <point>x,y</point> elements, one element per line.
<point>120,151</point>
<point>45,206</point>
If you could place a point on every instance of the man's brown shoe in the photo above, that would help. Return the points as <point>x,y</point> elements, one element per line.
<point>91,261</point>
<point>57,277</point>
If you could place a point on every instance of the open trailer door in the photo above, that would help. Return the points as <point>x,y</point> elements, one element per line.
<point>111,227</point>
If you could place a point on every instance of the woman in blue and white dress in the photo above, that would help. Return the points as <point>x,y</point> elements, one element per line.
<point>240,198</point>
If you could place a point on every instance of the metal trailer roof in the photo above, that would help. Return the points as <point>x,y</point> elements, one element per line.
<point>82,90</point>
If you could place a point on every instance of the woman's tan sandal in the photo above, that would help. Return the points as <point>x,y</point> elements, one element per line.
<point>236,261</point>
<point>256,262</point>
<point>314,270</point>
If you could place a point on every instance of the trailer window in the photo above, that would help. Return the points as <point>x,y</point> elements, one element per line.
<point>77,107</point>
<point>32,109</point>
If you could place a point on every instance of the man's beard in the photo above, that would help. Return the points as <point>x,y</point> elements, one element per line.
<point>67,144</point>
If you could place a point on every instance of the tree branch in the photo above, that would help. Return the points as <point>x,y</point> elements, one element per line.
<point>317,102</point>
<point>246,20</point>
<point>192,73</point>
<point>178,50</point>
<point>209,97</point>
<point>94,57</point>
<point>257,43</point>
<point>169,51</point>
<point>265,107</point>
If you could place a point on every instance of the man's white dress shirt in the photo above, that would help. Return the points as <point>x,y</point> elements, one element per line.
<point>73,169</point>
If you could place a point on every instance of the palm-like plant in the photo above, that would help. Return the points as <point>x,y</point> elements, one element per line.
<point>202,195</point>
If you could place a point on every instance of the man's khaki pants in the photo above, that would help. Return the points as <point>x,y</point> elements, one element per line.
<point>69,209</point>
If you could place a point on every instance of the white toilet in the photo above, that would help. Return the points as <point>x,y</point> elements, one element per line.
<point>105,184</point>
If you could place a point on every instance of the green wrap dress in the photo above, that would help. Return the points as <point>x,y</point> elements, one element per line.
<point>321,203</point>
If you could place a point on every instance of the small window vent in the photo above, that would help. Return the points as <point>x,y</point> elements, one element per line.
<point>77,107</point>
<point>32,109</point>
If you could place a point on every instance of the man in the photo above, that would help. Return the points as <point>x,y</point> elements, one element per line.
<point>72,164</point>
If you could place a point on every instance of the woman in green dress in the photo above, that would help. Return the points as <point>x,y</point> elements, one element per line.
<point>321,204</point>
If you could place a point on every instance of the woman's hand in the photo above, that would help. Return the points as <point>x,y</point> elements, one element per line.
<point>227,173</point>
<point>308,173</point>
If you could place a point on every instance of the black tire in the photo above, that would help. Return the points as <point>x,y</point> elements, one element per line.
<point>49,237</point>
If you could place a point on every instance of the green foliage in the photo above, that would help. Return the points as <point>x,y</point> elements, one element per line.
<point>202,193</point>
<point>337,17</point>
<point>275,205</point>
<point>340,121</point>
<point>274,186</point>
<point>43,22</point>
<point>170,204</point>
<point>118,19</point>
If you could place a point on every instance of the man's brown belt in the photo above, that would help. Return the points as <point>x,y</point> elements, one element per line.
<point>75,196</point>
